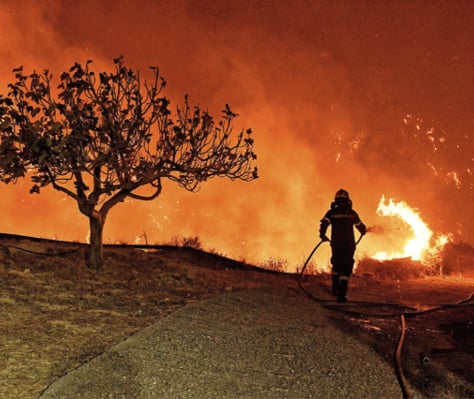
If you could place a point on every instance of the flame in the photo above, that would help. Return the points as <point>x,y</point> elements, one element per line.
<point>421,245</point>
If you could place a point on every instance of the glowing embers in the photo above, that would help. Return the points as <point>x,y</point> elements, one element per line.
<point>420,244</point>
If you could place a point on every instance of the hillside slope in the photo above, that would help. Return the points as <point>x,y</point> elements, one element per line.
<point>57,315</point>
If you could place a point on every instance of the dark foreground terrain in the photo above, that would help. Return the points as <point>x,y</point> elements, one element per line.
<point>57,315</point>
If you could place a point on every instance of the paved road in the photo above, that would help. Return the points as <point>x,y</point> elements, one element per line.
<point>249,344</point>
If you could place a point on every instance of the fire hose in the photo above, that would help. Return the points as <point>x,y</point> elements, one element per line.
<point>398,361</point>
<point>402,313</point>
<point>312,253</point>
<point>398,365</point>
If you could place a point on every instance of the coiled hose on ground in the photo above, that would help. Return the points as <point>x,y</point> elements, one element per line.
<point>401,313</point>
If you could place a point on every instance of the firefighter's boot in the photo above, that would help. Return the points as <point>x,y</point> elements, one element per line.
<point>343,283</point>
<point>335,284</point>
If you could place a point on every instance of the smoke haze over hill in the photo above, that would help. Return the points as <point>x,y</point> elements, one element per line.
<point>374,97</point>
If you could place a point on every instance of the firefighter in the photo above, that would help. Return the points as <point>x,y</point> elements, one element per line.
<point>342,219</point>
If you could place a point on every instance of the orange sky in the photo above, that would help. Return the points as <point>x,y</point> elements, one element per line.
<point>375,97</point>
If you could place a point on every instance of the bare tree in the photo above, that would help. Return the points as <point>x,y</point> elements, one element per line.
<point>102,138</point>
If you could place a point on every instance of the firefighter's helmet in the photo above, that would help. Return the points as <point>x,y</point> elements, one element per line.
<point>342,194</point>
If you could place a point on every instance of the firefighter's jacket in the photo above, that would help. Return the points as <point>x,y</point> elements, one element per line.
<point>342,219</point>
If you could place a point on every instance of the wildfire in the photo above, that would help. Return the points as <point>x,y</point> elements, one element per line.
<point>422,244</point>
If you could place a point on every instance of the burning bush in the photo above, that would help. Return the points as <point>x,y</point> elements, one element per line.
<point>458,259</point>
<point>393,269</point>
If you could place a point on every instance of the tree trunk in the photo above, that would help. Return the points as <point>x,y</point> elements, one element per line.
<point>95,261</point>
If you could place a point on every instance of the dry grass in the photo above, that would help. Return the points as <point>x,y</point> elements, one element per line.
<point>57,314</point>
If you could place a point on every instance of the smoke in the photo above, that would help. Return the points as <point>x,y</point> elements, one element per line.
<point>374,97</point>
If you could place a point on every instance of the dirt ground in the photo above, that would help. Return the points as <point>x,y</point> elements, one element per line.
<point>58,315</point>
